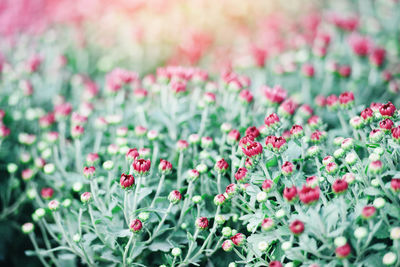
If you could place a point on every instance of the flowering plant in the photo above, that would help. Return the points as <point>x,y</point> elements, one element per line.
<point>182,166</point>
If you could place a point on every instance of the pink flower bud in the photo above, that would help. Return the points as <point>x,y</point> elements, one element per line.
<point>376,166</point>
<point>339,186</point>
<point>275,264</point>
<point>238,239</point>
<point>233,137</point>
<point>54,205</point>
<point>231,189</point>
<point>89,172</point>
<point>254,149</point>
<point>395,184</point>
<point>241,175</point>
<point>174,196</point>
<point>387,110</point>
<point>86,197</point>
<point>297,227</point>
<point>245,96</point>
<point>135,225</point>
<point>165,167</point>
<point>47,193</point>
<point>202,223</point>
<point>132,154</point>
<point>272,120</point>
<point>193,175</point>
<point>221,166</point>
<point>287,168</point>
<point>274,95</point>
<point>227,245</point>
<point>141,166</point>
<point>368,212</point>
<point>309,195</point>
<point>4,131</point>
<point>92,158</point>
<point>219,199</point>
<point>343,251</point>
<point>182,145</point>
<point>267,224</point>
<point>290,193</point>
<point>126,181</point>
<point>27,174</point>
<point>332,101</point>
<point>346,99</point>
<point>297,131</point>
<point>77,131</point>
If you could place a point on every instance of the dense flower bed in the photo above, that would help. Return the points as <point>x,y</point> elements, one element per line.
<point>293,162</point>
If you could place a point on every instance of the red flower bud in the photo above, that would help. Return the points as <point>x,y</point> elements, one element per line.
<point>289,193</point>
<point>240,175</point>
<point>387,110</point>
<point>141,166</point>
<point>267,185</point>
<point>271,120</point>
<point>339,186</point>
<point>309,195</point>
<point>233,137</point>
<point>221,166</point>
<point>343,251</point>
<point>47,193</point>
<point>174,196</point>
<point>165,167</point>
<point>395,184</point>
<point>368,212</point>
<point>202,223</point>
<point>287,168</point>
<point>252,131</point>
<point>254,149</point>
<point>89,172</point>
<point>135,225</point>
<point>346,99</point>
<point>127,181</point>
<point>238,239</point>
<point>275,264</point>
<point>297,227</point>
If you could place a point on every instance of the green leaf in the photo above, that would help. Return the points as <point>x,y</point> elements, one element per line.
<point>371,191</point>
<point>162,245</point>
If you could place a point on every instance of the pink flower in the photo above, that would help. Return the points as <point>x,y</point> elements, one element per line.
<point>141,166</point>
<point>377,56</point>
<point>309,195</point>
<point>202,223</point>
<point>297,227</point>
<point>221,165</point>
<point>47,193</point>
<point>135,225</point>
<point>289,193</point>
<point>360,45</point>
<point>127,181</point>
<point>274,95</point>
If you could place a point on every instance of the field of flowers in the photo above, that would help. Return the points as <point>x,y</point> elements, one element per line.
<point>277,144</point>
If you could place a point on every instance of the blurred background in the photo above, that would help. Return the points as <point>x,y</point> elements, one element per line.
<point>96,36</point>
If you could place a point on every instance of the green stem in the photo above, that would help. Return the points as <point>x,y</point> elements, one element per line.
<point>160,185</point>
<point>126,250</point>
<point>161,223</point>
<point>36,247</point>
<point>179,173</point>
<point>136,194</point>
<point>78,156</point>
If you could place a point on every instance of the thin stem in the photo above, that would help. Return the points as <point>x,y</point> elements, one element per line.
<point>36,247</point>
<point>126,196</point>
<point>47,243</point>
<point>161,223</point>
<point>160,185</point>
<point>97,142</point>
<point>78,156</point>
<point>204,116</point>
<point>191,246</point>
<point>219,182</point>
<point>179,173</point>
<point>136,194</point>
<point>126,250</point>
